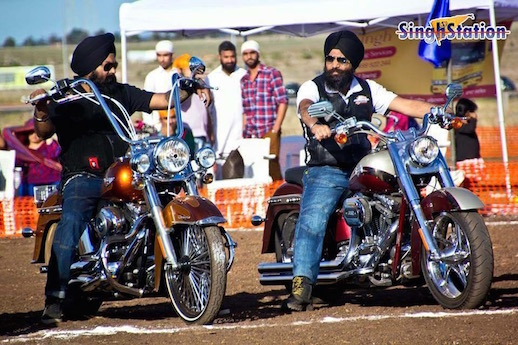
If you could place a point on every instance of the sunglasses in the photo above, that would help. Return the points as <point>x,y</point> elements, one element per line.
<point>341,60</point>
<point>110,65</point>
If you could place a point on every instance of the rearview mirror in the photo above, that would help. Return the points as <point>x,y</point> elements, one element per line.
<point>453,91</point>
<point>196,66</point>
<point>320,109</point>
<point>38,75</point>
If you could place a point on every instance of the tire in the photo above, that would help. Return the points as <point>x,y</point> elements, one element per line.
<point>464,282</point>
<point>79,306</point>
<point>48,242</point>
<point>197,288</point>
<point>285,236</point>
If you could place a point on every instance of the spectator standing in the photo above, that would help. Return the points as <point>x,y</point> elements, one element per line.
<point>194,110</point>
<point>169,123</point>
<point>159,79</point>
<point>264,103</point>
<point>226,111</point>
<point>467,145</point>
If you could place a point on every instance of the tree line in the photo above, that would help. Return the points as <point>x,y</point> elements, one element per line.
<point>77,35</point>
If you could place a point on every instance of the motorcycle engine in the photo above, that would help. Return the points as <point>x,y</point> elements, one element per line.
<point>109,220</point>
<point>357,211</point>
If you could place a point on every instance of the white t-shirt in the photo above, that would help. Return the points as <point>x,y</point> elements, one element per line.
<point>158,80</point>
<point>227,108</point>
<point>381,97</point>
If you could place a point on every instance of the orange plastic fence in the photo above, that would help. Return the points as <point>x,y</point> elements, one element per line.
<point>491,143</point>
<point>495,183</point>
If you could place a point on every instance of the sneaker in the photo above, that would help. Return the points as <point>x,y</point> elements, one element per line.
<point>52,313</point>
<point>300,298</point>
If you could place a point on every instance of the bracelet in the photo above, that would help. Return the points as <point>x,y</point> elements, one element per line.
<point>313,125</point>
<point>41,119</point>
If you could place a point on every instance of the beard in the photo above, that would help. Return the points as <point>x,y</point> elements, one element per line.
<point>341,81</point>
<point>228,67</point>
<point>106,86</point>
<point>252,63</point>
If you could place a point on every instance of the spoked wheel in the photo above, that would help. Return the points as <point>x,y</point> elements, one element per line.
<point>462,278</point>
<point>197,288</point>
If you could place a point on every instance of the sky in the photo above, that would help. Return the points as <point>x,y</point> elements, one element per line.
<point>21,19</point>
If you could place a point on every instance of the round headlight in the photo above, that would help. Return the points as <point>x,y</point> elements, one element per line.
<point>424,150</point>
<point>206,157</point>
<point>140,163</point>
<point>172,155</point>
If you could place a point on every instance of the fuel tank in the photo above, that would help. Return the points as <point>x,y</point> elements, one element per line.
<point>118,183</point>
<point>374,173</point>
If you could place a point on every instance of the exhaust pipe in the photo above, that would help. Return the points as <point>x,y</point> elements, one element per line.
<point>323,278</point>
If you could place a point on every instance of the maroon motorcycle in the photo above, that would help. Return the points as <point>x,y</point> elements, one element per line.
<point>387,231</point>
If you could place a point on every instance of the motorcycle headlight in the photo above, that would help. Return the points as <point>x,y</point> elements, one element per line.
<point>424,150</point>
<point>140,163</point>
<point>172,155</point>
<point>206,157</point>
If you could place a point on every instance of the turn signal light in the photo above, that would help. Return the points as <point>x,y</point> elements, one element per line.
<point>341,138</point>
<point>456,123</point>
<point>208,178</point>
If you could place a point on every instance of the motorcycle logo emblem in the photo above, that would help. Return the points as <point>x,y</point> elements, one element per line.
<point>361,100</point>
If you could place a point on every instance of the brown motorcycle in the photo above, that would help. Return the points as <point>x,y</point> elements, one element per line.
<point>153,233</point>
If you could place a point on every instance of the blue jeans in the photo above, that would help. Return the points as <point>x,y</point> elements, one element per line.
<point>323,187</point>
<point>80,197</point>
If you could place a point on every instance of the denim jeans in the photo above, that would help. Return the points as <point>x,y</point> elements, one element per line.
<point>323,187</point>
<point>80,197</point>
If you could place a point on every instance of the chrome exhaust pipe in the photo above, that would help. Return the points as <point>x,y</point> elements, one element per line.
<point>323,278</point>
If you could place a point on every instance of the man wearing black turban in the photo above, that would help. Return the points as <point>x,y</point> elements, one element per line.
<point>89,146</point>
<point>329,164</point>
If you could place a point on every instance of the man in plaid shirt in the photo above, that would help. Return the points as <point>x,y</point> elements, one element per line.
<point>264,103</point>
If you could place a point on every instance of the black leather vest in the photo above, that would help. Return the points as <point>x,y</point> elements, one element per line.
<point>328,152</point>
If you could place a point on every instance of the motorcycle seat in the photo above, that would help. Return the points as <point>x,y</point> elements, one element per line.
<point>294,175</point>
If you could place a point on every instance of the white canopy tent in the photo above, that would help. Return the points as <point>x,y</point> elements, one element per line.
<point>300,18</point>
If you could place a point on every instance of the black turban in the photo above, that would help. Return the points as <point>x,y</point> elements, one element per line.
<point>91,52</point>
<point>348,43</point>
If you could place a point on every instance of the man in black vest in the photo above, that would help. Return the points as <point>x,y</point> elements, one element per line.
<point>329,164</point>
<point>89,146</point>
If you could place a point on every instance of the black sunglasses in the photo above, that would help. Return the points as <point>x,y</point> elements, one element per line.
<point>341,60</point>
<point>110,65</point>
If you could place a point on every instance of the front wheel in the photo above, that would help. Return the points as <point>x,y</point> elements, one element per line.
<point>197,287</point>
<point>462,278</point>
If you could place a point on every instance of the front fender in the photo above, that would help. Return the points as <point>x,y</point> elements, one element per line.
<point>192,209</point>
<point>450,199</point>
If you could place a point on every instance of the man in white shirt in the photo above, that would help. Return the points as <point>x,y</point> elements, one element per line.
<point>227,107</point>
<point>159,79</point>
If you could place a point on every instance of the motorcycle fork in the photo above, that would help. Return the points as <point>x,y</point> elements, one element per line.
<point>163,238</point>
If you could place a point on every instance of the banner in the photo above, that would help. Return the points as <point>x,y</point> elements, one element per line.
<point>395,64</point>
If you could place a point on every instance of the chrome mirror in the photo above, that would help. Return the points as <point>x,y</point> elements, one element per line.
<point>196,66</point>
<point>320,109</point>
<point>453,91</point>
<point>38,75</point>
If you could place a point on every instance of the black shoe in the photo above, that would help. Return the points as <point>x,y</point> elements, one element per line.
<point>53,313</point>
<point>300,298</point>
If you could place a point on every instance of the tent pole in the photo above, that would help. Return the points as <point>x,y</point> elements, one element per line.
<point>124,57</point>
<point>499,101</point>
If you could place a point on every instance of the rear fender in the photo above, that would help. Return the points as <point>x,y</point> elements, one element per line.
<point>285,199</point>
<point>48,214</point>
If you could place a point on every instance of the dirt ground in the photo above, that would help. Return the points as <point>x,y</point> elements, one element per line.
<point>252,315</point>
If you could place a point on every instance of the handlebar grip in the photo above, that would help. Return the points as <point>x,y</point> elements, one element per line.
<point>38,98</point>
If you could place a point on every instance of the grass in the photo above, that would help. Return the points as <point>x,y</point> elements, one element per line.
<point>299,59</point>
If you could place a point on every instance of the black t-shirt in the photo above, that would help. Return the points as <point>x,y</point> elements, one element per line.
<point>88,141</point>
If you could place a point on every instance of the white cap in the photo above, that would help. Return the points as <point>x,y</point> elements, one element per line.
<point>250,45</point>
<point>164,47</point>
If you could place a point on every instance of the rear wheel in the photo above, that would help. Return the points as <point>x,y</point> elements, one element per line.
<point>285,237</point>
<point>462,278</point>
<point>197,288</point>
